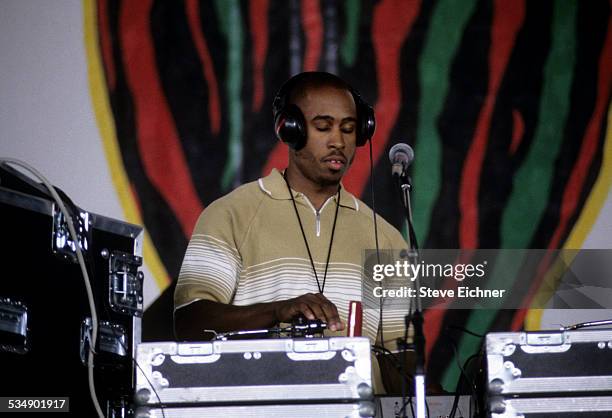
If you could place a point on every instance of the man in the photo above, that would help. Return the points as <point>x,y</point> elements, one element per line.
<point>261,255</point>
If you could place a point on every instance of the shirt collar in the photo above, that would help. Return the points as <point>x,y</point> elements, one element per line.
<point>274,186</point>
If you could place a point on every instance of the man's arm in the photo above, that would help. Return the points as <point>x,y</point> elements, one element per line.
<point>191,321</point>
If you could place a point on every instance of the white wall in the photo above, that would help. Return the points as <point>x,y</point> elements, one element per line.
<point>46,116</point>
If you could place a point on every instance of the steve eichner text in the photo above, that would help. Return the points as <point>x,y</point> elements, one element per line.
<point>427,292</point>
<point>422,269</point>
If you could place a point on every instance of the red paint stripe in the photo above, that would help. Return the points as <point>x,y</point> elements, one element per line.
<point>519,320</point>
<point>258,19</point>
<point>590,142</point>
<point>157,138</point>
<point>106,44</point>
<point>433,318</point>
<point>214,107</point>
<point>313,32</point>
<point>586,155</point>
<point>507,19</point>
<point>518,130</point>
<point>391,24</point>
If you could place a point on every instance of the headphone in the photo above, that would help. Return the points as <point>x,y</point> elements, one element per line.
<point>289,123</point>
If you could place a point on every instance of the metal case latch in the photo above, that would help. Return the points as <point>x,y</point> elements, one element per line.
<point>125,283</point>
<point>112,338</point>
<point>13,326</point>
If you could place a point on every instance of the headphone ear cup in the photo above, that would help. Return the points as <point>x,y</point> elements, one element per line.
<point>367,123</point>
<point>290,126</point>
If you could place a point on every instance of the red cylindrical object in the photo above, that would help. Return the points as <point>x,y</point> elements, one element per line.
<point>355,319</point>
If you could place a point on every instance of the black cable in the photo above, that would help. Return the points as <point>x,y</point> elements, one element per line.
<point>457,388</point>
<point>395,361</point>
<point>472,384</point>
<point>402,411</point>
<point>381,300</point>
<point>403,364</point>
<point>331,239</point>
<point>588,324</point>
<point>379,408</point>
<point>374,203</point>
<point>467,331</point>
<point>463,373</point>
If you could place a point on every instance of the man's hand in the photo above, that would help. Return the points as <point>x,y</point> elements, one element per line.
<point>191,320</point>
<point>312,306</point>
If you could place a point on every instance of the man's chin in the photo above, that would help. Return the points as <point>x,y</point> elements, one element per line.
<point>332,177</point>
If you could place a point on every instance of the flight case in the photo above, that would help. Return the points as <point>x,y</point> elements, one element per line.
<point>45,321</point>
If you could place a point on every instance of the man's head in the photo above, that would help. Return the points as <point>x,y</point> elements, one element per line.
<point>322,120</point>
<point>288,120</point>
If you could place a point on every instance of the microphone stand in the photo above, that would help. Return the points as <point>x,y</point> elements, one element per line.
<point>415,317</point>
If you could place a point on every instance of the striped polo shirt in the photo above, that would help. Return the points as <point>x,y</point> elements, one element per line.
<point>247,248</point>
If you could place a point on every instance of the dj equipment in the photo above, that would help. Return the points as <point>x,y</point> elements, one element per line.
<point>549,407</point>
<point>384,406</point>
<point>254,371</point>
<point>307,410</point>
<point>550,373</point>
<point>45,321</point>
<point>300,327</point>
<point>289,123</point>
<point>438,406</point>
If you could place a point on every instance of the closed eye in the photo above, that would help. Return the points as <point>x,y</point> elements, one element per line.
<point>348,127</point>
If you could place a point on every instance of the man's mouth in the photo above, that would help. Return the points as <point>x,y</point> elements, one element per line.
<point>335,162</point>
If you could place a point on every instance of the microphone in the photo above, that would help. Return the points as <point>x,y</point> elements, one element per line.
<point>401,156</point>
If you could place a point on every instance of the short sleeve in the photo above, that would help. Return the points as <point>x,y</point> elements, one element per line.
<point>212,263</point>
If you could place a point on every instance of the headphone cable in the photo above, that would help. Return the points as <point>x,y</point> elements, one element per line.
<point>380,315</point>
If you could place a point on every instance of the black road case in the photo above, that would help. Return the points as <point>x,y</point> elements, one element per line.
<point>45,321</point>
<point>550,373</point>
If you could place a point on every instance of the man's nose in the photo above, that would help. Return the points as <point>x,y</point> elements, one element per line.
<point>336,139</point>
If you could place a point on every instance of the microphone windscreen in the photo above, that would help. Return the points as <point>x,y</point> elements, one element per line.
<point>401,153</point>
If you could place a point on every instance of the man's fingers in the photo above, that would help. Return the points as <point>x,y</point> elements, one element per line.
<point>329,313</point>
<point>317,310</point>
<point>332,317</point>
<point>306,310</point>
<point>313,306</point>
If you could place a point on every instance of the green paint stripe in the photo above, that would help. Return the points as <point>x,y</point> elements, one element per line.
<point>349,46</point>
<point>230,19</point>
<point>533,180</point>
<point>448,22</point>
<point>534,177</point>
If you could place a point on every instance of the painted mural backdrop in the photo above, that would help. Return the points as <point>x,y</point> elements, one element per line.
<point>504,102</point>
